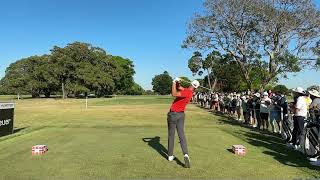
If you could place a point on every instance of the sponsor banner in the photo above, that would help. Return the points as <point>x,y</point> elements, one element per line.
<point>6,118</point>
<point>6,105</point>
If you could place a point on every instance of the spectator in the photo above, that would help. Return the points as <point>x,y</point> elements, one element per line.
<point>308,102</point>
<point>221,103</point>
<point>270,94</point>
<point>233,105</point>
<point>201,99</point>
<point>264,111</point>
<point>300,114</point>
<point>275,112</point>
<point>227,101</point>
<point>245,110</point>
<point>256,105</point>
<point>315,105</point>
<point>283,103</point>
<point>238,107</point>
<point>252,119</point>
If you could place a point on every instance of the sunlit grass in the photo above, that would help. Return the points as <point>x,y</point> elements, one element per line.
<point>105,141</point>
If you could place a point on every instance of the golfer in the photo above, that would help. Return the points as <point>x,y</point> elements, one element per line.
<point>176,117</point>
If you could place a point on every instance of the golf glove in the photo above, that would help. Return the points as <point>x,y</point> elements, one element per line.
<point>177,80</point>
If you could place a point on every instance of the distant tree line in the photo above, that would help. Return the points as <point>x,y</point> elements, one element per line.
<point>72,70</point>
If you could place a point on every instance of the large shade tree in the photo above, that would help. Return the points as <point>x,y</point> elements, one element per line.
<point>74,69</point>
<point>278,33</point>
<point>162,83</point>
<point>30,75</point>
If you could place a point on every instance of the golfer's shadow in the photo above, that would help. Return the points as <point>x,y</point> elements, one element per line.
<point>156,145</point>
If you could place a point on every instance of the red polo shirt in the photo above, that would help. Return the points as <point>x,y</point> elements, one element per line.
<point>180,103</point>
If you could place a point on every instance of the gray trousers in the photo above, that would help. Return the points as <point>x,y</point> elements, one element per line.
<point>176,121</point>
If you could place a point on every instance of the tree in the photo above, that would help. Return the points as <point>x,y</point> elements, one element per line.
<point>30,75</point>
<point>126,68</point>
<point>226,71</point>
<point>162,83</point>
<point>74,69</point>
<point>279,33</point>
<point>149,92</point>
<point>316,51</point>
<point>197,65</point>
<point>16,78</point>
<point>135,89</point>
<point>185,82</point>
<point>79,67</point>
<point>281,88</point>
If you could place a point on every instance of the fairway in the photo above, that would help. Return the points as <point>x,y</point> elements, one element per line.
<point>126,138</point>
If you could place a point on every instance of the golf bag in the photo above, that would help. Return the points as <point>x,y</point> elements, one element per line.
<point>312,138</point>
<point>287,126</point>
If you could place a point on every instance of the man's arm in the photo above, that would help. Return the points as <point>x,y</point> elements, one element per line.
<point>174,91</point>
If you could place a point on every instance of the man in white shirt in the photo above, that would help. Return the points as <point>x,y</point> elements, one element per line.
<point>300,114</point>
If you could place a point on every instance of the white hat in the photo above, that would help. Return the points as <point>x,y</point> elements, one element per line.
<point>265,94</point>
<point>299,90</point>
<point>315,93</point>
<point>195,84</point>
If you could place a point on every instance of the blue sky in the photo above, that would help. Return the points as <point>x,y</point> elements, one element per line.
<point>148,32</point>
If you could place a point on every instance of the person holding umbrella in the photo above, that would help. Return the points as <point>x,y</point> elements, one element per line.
<point>176,117</point>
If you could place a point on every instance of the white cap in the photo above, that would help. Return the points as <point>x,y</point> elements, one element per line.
<point>195,84</point>
<point>299,90</point>
<point>257,94</point>
<point>265,94</point>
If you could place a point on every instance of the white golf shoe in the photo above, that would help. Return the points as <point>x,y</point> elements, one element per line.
<point>170,158</point>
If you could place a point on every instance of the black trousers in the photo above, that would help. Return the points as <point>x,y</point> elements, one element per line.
<point>297,133</point>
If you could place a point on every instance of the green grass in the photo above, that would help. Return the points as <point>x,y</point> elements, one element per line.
<point>106,142</point>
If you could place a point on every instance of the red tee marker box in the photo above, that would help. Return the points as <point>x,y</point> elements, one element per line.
<point>39,149</point>
<point>239,150</point>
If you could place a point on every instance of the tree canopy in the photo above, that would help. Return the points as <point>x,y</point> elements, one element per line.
<point>162,83</point>
<point>280,36</point>
<point>71,70</point>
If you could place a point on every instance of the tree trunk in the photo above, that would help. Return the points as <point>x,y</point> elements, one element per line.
<point>63,91</point>
<point>209,82</point>
<point>214,83</point>
<point>245,73</point>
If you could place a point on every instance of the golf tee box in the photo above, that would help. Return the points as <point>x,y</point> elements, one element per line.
<point>239,150</point>
<point>39,149</point>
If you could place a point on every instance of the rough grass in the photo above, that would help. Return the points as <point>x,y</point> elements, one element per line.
<point>107,141</point>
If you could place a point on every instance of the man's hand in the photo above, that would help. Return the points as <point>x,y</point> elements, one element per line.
<point>176,80</point>
<point>174,89</point>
